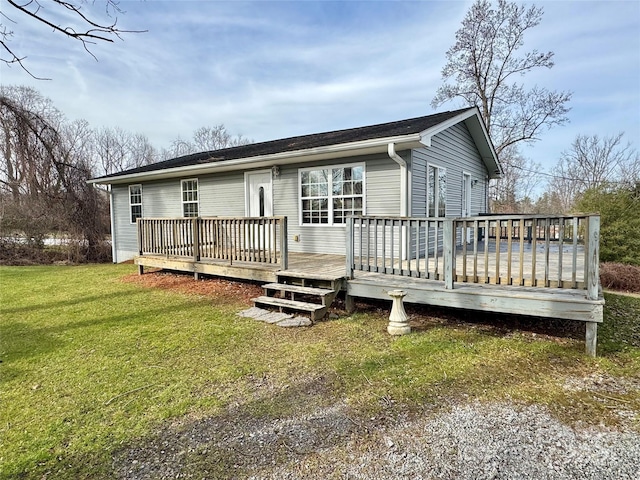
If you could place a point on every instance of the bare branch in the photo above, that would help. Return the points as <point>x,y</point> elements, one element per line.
<point>91,32</point>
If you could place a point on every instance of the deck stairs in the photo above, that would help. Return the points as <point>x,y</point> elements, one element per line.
<point>300,293</point>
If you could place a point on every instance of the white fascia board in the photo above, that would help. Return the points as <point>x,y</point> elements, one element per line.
<point>365,147</point>
<point>478,131</point>
<point>425,135</point>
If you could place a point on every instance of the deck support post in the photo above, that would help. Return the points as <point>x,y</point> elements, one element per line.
<point>284,244</point>
<point>591,338</point>
<point>140,270</point>
<point>398,324</point>
<point>349,257</point>
<point>592,262</point>
<point>349,304</point>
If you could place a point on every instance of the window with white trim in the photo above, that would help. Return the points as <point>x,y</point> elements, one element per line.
<point>329,195</point>
<point>135,202</point>
<point>436,191</point>
<point>189,197</point>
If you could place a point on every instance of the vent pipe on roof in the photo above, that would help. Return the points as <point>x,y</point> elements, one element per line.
<point>404,179</point>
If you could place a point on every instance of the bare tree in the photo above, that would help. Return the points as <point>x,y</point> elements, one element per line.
<point>205,139</point>
<point>484,67</point>
<point>84,26</point>
<point>44,171</point>
<point>116,150</point>
<point>591,162</point>
<point>517,184</point>
<point>215,138</point>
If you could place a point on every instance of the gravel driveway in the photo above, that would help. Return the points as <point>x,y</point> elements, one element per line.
<point>465,441</point>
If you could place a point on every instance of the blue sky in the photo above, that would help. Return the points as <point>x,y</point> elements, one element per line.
<point>276,69</point>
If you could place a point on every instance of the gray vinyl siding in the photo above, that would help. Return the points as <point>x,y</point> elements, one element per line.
<point>125,235</point>
<point>219,195</point>
<point>224,194</point>
<point>382,197</point>
<point>454,150</point>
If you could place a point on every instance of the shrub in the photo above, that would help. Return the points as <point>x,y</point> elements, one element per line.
<point>619,222</point>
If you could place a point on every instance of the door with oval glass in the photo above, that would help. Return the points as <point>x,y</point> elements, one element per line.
<point>259,203</point>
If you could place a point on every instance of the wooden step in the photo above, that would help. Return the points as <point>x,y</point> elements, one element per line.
<point>285,287</point>
<point>325,295</point>
<point>317,311</point>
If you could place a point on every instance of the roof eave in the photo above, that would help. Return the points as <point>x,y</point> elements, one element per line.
<point>364,147</point>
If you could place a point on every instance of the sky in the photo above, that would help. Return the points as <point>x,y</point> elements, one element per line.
<point>269,70</point>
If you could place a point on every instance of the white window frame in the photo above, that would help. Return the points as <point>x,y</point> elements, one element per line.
<point>330,197</point>
<point>131,204</point>
<point>189,202</point>
<point>436,194</point>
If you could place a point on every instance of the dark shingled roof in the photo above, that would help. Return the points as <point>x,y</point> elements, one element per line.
<point>337,137</point>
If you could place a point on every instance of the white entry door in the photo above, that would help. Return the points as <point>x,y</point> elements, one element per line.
<point>259,203</point>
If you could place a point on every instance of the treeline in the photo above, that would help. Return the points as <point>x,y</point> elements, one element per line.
<point>45,165</point>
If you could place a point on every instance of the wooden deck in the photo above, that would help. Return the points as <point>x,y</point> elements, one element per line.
<point>426,258</point>
<point>319,266</point>
<point>517,300</point>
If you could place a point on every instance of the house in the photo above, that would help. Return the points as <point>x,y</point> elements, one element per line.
<point>398,206</point>
<point>438,165</point>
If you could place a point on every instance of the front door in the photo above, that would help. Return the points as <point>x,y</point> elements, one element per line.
<point>259,195</point>
<point>259,203</point>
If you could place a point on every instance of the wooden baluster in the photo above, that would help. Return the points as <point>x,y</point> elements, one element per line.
<point>574,259</point>
<point>476,234</point>
<point>560,247</point>
<point>509,248</point>
<point>498,235</point>
<point>547,239</point>
<point>464,250</point>
<point>534,234</point>
<point>487,276</point>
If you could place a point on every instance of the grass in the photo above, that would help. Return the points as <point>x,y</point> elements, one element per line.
<point>91,364</point>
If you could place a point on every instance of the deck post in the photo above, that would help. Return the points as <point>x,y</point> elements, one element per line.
<point>349,252</point>
<point>140,248</point>
<point>449,252</point>
<point>349,304</point>
<point>195,245</point>
<point>591,338</point>
<point>284,244</point>
<point>593,257</point>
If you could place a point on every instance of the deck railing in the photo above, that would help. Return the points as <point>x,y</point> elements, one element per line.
<point>520,250</point>
<point>230,239</point>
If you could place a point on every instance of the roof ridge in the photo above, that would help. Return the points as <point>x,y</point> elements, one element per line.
<point>301,142</point>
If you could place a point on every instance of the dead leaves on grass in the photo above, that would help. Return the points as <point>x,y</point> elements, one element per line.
<point>218,288</point>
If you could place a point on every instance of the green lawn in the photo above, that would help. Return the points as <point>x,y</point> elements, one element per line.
<point>91,363</point>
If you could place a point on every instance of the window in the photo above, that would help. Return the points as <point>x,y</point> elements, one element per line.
<point>190,198</point>
<point>436,191</point>
<point>261,200</point>
<point>135,202</point>
<point>329,195</point>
